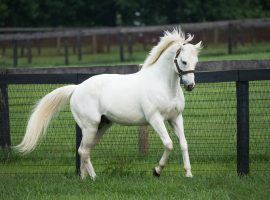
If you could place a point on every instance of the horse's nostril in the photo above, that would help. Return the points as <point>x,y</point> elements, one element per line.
<point>189,87</point>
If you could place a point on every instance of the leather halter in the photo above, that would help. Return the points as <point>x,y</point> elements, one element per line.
<point>180,71</point>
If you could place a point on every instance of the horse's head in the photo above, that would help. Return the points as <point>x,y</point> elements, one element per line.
<point>185,62</point>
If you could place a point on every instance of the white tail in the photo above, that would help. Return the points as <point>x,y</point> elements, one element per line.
<point>46,108</point>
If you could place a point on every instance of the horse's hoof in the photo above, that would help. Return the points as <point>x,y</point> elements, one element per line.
<point>83,175</point>
<point>189,175</point>
<point>155,173</point>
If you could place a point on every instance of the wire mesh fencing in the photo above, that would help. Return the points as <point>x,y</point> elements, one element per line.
<point>55,153</point>
<point>210,128</point>
<point>259,108</point>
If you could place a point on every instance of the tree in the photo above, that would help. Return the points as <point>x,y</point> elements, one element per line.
<point>18,13</point>
<point>36,13</point>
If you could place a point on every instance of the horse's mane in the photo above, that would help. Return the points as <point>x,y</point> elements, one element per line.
<point>169,37</point>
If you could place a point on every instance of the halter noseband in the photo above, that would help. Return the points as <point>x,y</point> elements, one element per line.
<point>180,71</point>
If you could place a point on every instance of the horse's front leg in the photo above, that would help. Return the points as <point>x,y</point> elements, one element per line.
<point>178,127</point>
<point>157,122</point>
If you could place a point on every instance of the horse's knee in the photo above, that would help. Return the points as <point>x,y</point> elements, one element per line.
<point>184,146</point>
<point>84,154</point>
<point>169,146</point>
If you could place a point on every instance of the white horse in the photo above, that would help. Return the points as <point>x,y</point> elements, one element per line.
<point>150,96</point>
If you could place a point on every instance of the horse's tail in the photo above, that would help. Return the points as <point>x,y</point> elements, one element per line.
<point>44,111</point>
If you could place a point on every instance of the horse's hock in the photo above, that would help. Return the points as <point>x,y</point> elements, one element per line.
<point>212,120</point>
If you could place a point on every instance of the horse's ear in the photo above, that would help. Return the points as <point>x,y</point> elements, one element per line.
<point>198,45</point>
<point>189,38</point>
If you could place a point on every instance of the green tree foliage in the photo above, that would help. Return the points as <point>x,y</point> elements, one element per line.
<point>125,12</point>
<point>177,11</point>
<point>18,12</point>
<point>57,13</point>
<point>77,13</point>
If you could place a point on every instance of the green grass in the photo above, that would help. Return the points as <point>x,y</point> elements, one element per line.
<point>136,186</point>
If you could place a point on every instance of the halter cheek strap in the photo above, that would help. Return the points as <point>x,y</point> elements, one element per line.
<point>180,71</point>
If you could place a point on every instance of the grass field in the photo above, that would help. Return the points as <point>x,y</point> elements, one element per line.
<point>125,173</point>
<point>209,186</point>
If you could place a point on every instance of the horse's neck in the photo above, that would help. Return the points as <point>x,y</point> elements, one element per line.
<point>164,70</point>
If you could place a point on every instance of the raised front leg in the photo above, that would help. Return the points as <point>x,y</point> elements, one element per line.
<point>178,127</point>
<point>157,122</point>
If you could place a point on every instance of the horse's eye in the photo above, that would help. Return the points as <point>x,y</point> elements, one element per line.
<point>184,62</point>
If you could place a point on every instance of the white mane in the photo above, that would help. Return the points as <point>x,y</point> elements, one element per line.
<point>170,37</point>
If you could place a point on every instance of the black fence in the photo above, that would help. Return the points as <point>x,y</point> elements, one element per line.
<point>226,123</point>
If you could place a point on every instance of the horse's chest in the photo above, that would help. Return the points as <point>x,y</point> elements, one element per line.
<point>173,108</point>
<point>170,107</point>
<point>168,103</point>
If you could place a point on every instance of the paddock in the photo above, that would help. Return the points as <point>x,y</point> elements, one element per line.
<point>226,122</point>
<point>24,47</point>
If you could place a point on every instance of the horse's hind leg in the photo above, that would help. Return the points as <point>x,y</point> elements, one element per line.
<point>88,137</point>
<point>102,127</point>
<point>91,137</point>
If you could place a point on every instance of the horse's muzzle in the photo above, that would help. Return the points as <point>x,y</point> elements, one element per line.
<point>189,87</point>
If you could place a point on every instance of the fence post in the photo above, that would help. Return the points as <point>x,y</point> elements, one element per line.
<point>58,44</point>
<point>121,46</point>
<point>22,48</point>
<point>108,43</point>
<point>66,51</point>
<point>130,45</point>
<point>143,140</point>
<point>242,93</point>
<point>4,122</point>
<point>94,44</point>
<point>231,40</point>
<point>29,53</point>
<point>78,142</point>
<point>15,52</point>
<point>38,47</point>
<point>79,47</point>
<point>74,46</point>
<point>144,40</point>
<point>216,35</point>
